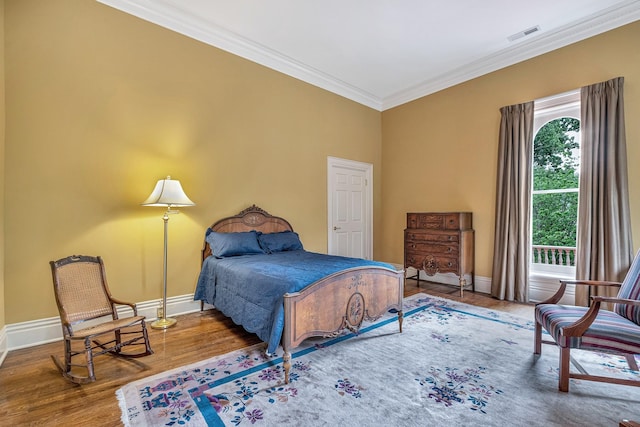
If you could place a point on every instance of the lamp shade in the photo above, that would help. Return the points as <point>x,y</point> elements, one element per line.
<point>168,192</point>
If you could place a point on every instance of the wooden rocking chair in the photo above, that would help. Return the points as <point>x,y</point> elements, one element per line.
<point>87,310</point>
<point>594,328</point>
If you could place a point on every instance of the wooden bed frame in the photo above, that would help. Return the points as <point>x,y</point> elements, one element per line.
<point>342,300</point>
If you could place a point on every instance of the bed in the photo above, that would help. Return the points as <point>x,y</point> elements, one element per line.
<point>285,294</point>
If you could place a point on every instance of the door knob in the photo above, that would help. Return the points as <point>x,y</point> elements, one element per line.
<point>336,228</point>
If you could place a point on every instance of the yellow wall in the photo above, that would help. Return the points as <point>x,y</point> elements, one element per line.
<point>2,128</point>
<point>439,152</point>
<point>101,104</point>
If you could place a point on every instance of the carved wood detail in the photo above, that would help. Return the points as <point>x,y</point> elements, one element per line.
<point>341,301</point>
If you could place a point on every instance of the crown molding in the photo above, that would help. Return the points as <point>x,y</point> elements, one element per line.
<point>162,13</point>
<point>621,14</point>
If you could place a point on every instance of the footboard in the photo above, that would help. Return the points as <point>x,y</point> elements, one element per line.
<point>341,300</point>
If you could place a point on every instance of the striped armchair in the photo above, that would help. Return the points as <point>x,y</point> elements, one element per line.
<point>594,328</point>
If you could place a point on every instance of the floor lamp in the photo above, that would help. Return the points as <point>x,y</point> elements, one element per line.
<point>167,193</point>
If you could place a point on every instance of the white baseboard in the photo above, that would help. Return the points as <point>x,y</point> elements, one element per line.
<point>3,344</point>
<point>483,284</point>
<point>42,331</point>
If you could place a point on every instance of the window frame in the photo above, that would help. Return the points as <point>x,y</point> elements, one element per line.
<point>566,104</point>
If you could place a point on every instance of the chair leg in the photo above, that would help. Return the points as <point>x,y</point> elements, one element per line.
<point>118,341</point>
<point>147,344</point>
<point>538,339</point>
<point>65,367</point>
<point>89,356</point>
<point>67,356</point>
<point>565,358</point>
<point>631,360</point>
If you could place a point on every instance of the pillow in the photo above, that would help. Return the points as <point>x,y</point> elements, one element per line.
<point>233,244</point>
<point>279,242</point>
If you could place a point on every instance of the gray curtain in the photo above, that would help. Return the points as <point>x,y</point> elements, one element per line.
<point>512,240</point>
<point>604,247</point>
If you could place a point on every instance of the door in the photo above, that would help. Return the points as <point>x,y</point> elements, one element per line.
<point>350,208</point>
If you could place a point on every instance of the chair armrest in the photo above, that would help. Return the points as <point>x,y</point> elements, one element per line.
<point>616,300</point>
<point>120,302</point>
<point>563,287</point>
<point>591,282</point>
<point>579,327</point>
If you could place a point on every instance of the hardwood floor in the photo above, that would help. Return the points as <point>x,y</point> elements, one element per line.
<point>33,393</point>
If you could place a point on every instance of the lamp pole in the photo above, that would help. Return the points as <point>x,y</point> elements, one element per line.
<point>164,322</point>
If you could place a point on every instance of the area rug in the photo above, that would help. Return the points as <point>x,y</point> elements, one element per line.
<point>453,364</point>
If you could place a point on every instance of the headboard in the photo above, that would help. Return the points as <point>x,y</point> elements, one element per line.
<point>252,218</point>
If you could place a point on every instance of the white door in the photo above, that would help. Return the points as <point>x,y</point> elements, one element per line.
<point>350,208</point>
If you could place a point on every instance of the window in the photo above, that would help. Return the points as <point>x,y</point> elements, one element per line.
<point>554,200</point>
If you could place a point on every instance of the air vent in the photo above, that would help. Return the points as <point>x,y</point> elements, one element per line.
<point>524,33</point>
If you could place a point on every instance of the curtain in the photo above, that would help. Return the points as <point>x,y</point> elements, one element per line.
<point>512,240</point>
<point>604,246</point>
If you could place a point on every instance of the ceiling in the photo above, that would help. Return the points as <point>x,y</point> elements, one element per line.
<point>383,53</point>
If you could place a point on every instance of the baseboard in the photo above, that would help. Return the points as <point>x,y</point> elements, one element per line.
<point>483,284</point>
<point>42,331</point>
<point>3,344</point>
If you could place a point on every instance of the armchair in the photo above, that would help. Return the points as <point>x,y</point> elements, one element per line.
<point>615,331</point>
<point>88,311</point>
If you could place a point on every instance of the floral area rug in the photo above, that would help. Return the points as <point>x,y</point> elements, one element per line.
<point>453,364</point>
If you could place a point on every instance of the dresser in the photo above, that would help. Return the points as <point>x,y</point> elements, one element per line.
<point>441,244</point>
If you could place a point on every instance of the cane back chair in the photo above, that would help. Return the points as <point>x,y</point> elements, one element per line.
<point>88,311</point>
<point>615,331</point>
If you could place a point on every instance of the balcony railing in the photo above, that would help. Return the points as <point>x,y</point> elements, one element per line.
<point>549,264</point>
<point>553,255</point>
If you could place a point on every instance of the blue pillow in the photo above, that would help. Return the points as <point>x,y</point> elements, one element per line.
<point>280,242</point>
<point>233,244</point>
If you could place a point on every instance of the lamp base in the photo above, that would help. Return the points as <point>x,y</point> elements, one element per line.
<point>163,323</point>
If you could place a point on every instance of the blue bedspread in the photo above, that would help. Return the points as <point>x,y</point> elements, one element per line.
<point>249,289</point>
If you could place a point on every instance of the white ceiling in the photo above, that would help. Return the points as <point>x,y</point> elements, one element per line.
<point>383,53</point>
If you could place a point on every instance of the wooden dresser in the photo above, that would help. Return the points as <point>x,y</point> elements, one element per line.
<point>439,243</point>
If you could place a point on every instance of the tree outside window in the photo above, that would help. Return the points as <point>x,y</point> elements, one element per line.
<point>556,161</point>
